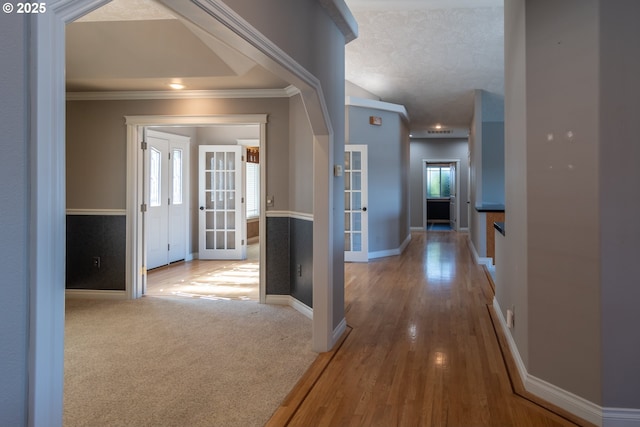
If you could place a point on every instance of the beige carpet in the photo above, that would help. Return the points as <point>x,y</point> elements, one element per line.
<point>180,361</point>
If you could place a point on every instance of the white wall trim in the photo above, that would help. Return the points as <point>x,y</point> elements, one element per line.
<point>418,229</point>
<point>199,120</point>
<point>182,94</point>
<point>339,330</point>
<point>95,294</point>
<point>478,259</point>
<point>291,302</point>
<point>290,214</point>
<point>343,18</point>
<point>352,101</point>
<point>620,417</point>
<point>391,252</point>
<point>103,212</point>
<point>564,399</point>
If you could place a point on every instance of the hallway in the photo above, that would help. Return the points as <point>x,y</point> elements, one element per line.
<point>421,351</point>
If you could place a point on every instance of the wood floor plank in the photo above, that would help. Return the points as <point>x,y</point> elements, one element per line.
<point>423,350</point>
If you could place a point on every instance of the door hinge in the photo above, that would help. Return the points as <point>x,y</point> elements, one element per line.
<point>169,155</point>
<point>168,247</point>
<point>242,200</point>
<point>242,158</point>
<point>169,201</point>
<point>143,145</point>
<point>143,207</point>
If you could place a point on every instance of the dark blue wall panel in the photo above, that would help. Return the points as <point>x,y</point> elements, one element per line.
<point>278,271</point>
<point>302,260</point>
<point>91,236</point>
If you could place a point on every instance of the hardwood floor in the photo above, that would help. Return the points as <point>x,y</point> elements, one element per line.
<point>421,349</point>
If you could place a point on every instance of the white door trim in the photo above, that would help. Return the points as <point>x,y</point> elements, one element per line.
<point>424,189</point>
<point>46,44</point>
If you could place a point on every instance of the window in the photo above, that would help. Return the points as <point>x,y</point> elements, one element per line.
<point>438,182</point>
<point>253,190</point>
<point>176,155</point>
<point>155,190</point>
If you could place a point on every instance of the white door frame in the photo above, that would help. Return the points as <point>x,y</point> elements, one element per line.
<point>46,54</point>
<point>424,189</point>
<point>136,271</point>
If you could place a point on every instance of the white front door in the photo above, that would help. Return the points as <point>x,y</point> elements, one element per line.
<point>167,198</point>
<point>356,234</point>
<point>157,212</point>
<point>222,218</point>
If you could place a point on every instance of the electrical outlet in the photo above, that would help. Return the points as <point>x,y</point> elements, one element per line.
<point>96,262</point>
<point>511,318</point>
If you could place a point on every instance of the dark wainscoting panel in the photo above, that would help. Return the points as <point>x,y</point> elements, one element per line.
<point>278,249</point>
<point>302,260</point>
<point>91,236</point>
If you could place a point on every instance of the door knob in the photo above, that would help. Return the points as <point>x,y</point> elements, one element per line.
<point>364,209</point>
<point>201,208</point>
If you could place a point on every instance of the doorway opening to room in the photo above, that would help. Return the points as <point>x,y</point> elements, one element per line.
<point>202,225</point>
<point>204,173</point>
<point>440,188</point>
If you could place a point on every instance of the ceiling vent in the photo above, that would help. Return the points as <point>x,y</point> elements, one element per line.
<point>439,132</point>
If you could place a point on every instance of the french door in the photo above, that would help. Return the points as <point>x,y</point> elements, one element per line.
<point>222,218</point>
<point>356,246</point>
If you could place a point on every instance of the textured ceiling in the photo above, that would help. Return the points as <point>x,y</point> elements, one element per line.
<point>428,55</point>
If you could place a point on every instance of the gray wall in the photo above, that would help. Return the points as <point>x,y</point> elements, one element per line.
<point>486,145</point>
<point>431,148</point>
<point>619,152</point>
<point>513,291</point>
<point>493,162</point>
<point>14,208</point>
<point>300,156</point>
<point>388,206</point>
<point>562,194</point>
<point>570,271</point>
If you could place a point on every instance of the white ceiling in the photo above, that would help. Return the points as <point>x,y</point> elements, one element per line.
<point>428,55</point>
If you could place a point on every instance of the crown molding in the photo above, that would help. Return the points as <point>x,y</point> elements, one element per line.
<point>287,92</point>
<point>342,16</point>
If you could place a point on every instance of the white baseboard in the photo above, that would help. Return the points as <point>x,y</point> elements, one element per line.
<point>620,417</point>
<point>463,230</point>
<point>391,252</point>
<point>479,260</point>
<point>589,411</point>
<point>418,229</point>
<point>338,331</point>
<point>291,302</point>
<point>95,294</point>
<point>191,256</point>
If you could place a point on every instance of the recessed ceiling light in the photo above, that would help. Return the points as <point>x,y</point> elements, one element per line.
<point>438,126</point>
<point>176,86</point>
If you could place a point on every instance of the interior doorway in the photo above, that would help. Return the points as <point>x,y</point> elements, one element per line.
<point>440,189</point>
<point>221,260</point>
<point>204,131</point>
